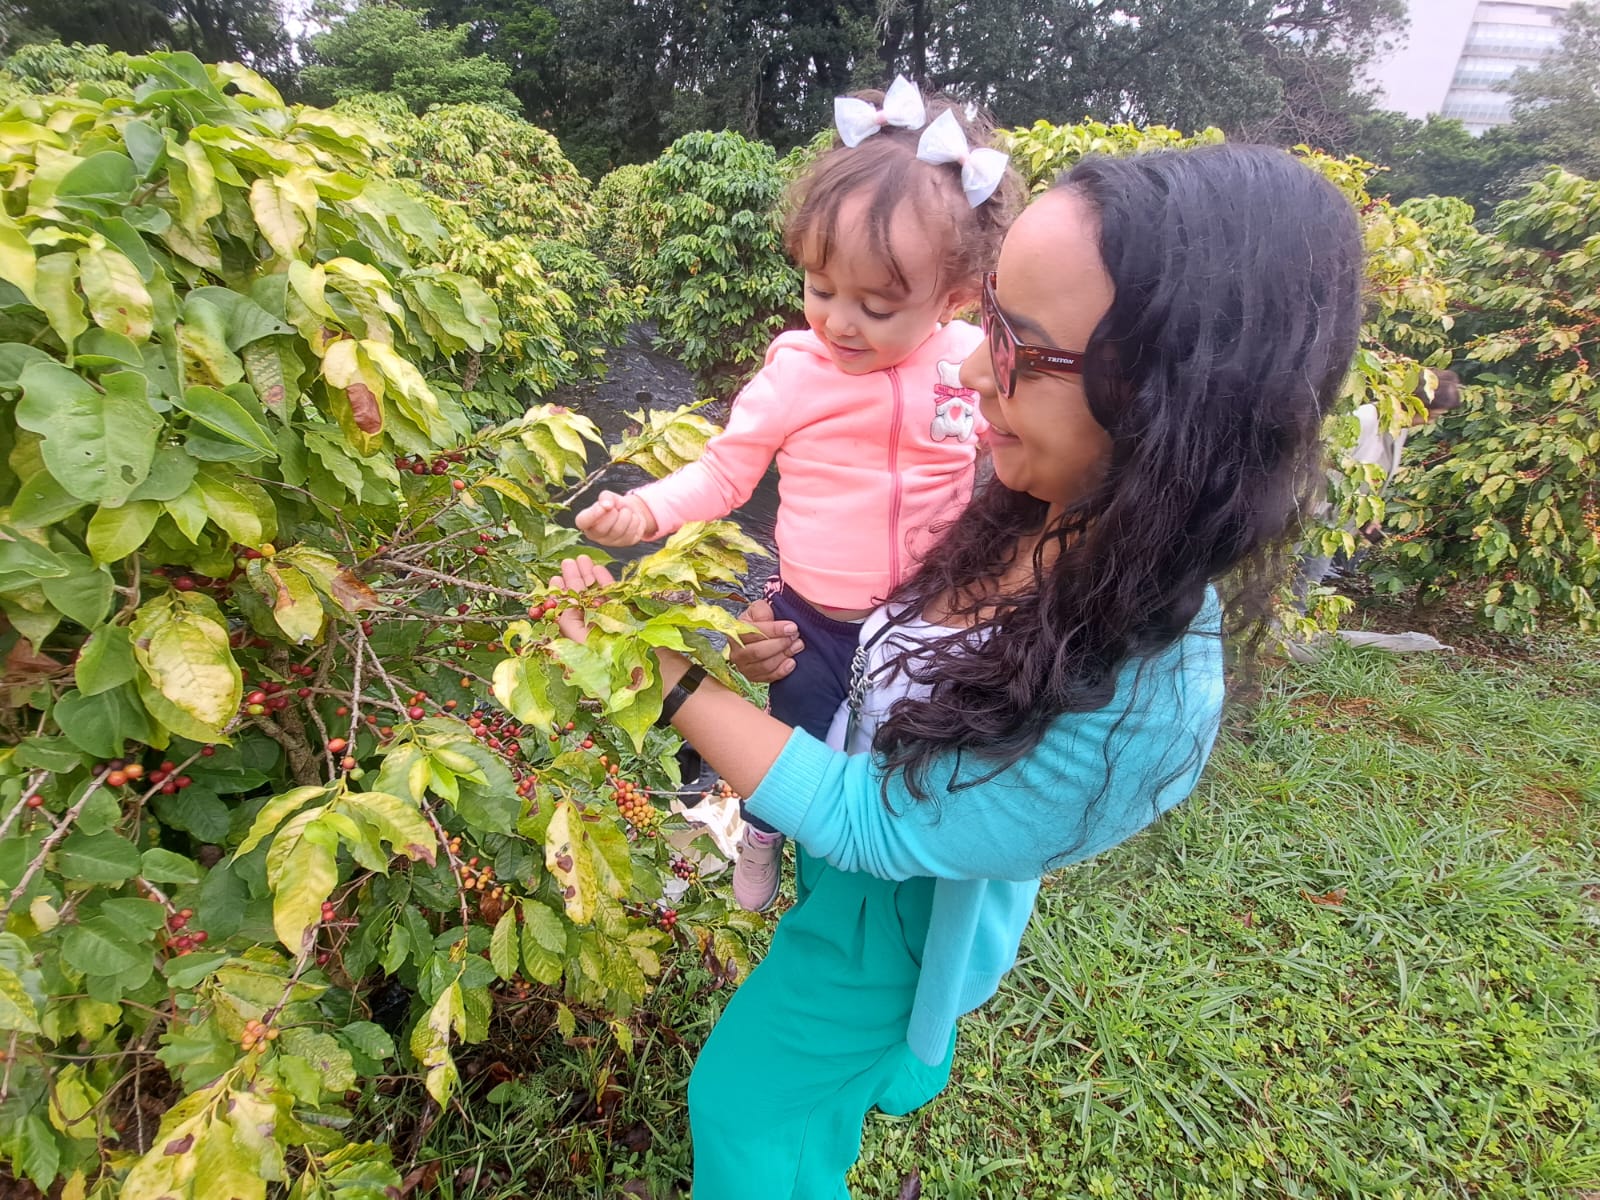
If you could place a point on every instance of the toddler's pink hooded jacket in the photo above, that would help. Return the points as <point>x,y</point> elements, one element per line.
<point>866,463</point>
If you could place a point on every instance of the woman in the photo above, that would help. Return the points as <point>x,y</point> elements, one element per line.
<point>1165,334</point>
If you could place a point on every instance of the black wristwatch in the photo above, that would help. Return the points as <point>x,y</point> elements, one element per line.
<point>680,692</point>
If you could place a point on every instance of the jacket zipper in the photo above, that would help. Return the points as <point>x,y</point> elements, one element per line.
<point>894,481</point>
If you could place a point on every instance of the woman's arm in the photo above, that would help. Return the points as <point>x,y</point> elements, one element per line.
<point>739,740</point>
<point>1093,780</point>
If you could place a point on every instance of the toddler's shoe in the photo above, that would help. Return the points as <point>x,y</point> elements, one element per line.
<point>759,870</point>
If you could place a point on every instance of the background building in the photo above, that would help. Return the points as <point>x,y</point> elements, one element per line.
<point>1454,52</point>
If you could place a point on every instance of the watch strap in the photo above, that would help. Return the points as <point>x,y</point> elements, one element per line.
<point>679,693</point>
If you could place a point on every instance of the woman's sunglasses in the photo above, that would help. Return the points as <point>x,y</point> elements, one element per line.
<point>1006,349</point>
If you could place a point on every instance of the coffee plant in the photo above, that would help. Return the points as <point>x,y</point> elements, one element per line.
<point>511,175</point>
<point>620,225</point>
<point>296,781</point>
<point>516,213</point>
<point>721,286</point>
<point>1042,151</point>
<point>1505,492</point>
<point>52,67</point>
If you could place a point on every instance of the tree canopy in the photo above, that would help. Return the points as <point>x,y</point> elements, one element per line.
<point>249,31</point>
<point>1556,105</point>
<point>617,80</point>
<point>383,48</point>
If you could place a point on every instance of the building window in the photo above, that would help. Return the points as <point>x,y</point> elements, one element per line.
<point>1499,39</point>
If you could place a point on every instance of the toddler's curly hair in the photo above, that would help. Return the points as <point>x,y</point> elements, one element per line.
<point>885,168</point>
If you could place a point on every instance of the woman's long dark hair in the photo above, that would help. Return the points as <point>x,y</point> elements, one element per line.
<point>1238,276</point>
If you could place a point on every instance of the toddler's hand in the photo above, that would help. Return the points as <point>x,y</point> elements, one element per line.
<point>578,575</point>
<point>615,520</point>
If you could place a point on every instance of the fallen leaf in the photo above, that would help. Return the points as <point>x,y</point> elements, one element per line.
<point>1333,899</point>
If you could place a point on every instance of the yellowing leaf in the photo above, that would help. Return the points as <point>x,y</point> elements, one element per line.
<point>273,813</point>
<point>281,218</point>
<point>409,389</point>
<point>567,857</point>
<point>118,299</point>
<point>302,869</point>
<point>17,265</point>
<point>295,606</point>
<point>358,389</point>
<point>522,690</point>
<point>193,182</point>
<point>185,655</point>
<point>399,822</point>
<point>430,1042</point>
<point>57,298</point>
<point>16,1007</point>
<point>239,508</point>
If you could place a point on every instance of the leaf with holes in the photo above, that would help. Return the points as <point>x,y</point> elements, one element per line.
<point>98,444</point>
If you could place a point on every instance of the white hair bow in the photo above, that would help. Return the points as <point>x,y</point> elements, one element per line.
<point>857,120</point>
<point>981,169</point>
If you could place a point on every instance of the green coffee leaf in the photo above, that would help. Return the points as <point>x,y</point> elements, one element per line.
<point>170,476</point>
<point>366,1038</point>
<point>163,866</point>
<point>99,946</point>
<point>41,502</point>
<point>503,945</point>
<point>108,175</point>
<point>224,415</point>
<point>97,858</point>
<point>101,724</point>
<point>98,444</point>
<point>39,1154</point>
<point>44,753</point>
<point>85,595</point>
<point>196,811</point>
<point>544,942</point>
<point>115,533</point>
<point>188,971</point>
<point>15,357</point>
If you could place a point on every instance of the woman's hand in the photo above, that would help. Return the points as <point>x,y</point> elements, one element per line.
<point>767,654</point>
<point>578,575</point>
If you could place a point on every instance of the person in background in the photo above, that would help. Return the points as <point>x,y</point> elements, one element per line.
<point>1382,449</point>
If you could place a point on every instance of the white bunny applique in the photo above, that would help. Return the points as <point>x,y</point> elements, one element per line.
<point>955,408</point>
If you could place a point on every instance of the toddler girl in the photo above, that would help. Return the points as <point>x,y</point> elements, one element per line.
<point>873,433</point>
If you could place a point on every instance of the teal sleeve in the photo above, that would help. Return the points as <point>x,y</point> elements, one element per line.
<point>1092,781</point>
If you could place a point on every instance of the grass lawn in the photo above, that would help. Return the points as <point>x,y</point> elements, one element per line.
<point>1362,961</point>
